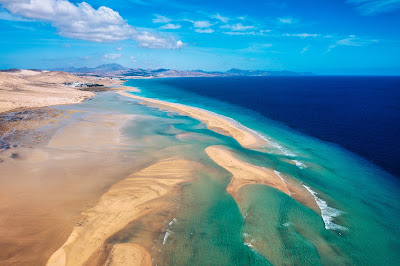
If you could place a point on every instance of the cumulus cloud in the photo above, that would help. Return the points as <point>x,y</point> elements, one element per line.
<point>82,21</point>
<point>161,19</point>
<point>238,27</point>
<point>372,7</point>
<point>221,18</point>
<point>170,26</point>
<point>112,56</point>
<point>150,40</point>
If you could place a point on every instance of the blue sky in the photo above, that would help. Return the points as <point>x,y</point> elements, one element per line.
<point>322,36</point>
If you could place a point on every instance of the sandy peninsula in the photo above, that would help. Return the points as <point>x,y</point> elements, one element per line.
<point>37,88</point>
<point>244,174</point>
<point>215,122</point>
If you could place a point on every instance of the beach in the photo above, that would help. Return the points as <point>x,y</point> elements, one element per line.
<point>36,88</point>
<point>214,122</point>
<point>124,179</point>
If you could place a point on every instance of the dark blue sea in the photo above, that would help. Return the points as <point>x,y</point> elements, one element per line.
<point>359,113</point>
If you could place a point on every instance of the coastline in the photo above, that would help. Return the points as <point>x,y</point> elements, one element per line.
<point>120,205</point>
<point>243,172</point>
<point>215,122</point>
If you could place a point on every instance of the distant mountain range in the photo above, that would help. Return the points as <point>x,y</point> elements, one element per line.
<point>116,70</point>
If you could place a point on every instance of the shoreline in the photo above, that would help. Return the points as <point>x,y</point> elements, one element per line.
<point>269,177</point>
<point>244,174</point>
<point>215,122</point>
<point>119,205</point>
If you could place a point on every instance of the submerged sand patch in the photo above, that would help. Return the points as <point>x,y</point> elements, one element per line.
<point>215,122</point>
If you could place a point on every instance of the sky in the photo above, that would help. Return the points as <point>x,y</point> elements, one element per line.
<point>359,37</point>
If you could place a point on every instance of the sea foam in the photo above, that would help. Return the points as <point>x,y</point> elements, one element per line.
<point>283,180</point>
<point>169,232</point>
<point>327,213</point>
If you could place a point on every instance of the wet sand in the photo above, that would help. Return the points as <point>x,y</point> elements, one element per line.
<point>45,186</point>
<point>81,179</point>
<point>123,203</point>
<point>246,174</point>
<point>215,122</point>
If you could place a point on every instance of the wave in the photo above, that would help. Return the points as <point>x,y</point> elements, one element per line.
<point>327,213</point>
<point>250,243</point>
<point>287,153</point>
<point>283,180</point>
<point>267,139</point>
<point>169,232</point>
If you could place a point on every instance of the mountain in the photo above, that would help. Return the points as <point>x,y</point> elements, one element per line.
<point>116,70</point>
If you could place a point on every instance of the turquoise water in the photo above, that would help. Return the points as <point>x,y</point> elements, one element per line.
<point>359,201</point>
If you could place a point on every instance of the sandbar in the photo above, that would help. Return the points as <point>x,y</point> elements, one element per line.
<point>215,122</point>
<point>120,205</point>
<point>246,174</point>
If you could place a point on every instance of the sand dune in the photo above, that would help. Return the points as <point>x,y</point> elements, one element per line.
<point>245,174</point>
<point>215,122</point>
<point>123,203</point>
<point>36,88</point>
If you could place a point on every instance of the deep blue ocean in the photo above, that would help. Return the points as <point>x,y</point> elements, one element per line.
<point>359,113</point>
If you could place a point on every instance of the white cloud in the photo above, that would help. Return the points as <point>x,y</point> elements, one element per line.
<point>221,18</point>
<point>83,22</point>
<point>301,35</point>
<point>352,40</point>
<point>112,56</point>
<point>238,27</point>
<point>371,7</point>
<point>286,20</point>
<point>150,40</point>
<point>170,26</point>
<point>202,24</point>
<point>161,19</point>
<point>119,48</point>
<point>204,30</point>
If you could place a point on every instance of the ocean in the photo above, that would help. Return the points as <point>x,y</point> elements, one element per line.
<point>361,114</point>
<point>335,135</point>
